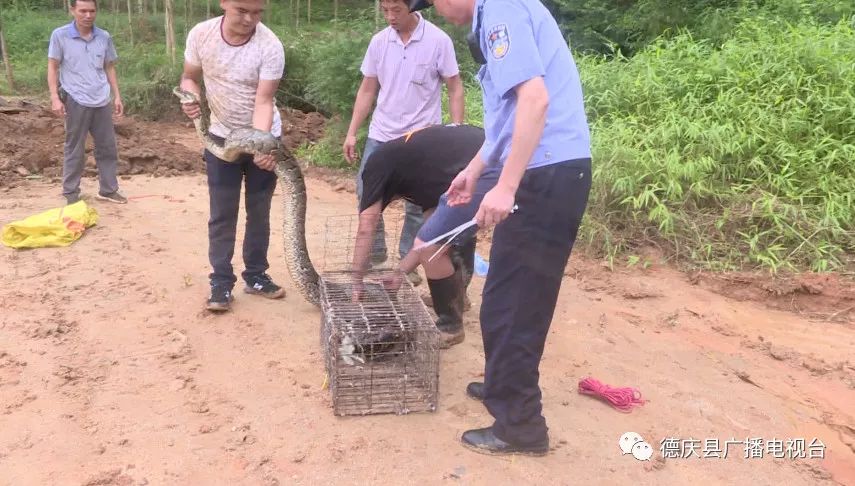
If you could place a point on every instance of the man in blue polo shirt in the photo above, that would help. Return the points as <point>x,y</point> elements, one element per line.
<point>81,74</point>
<point>537,132</point>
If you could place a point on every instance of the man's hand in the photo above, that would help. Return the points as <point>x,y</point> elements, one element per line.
<point>192,110</point>
<point>266,162</point>
<point>57,106</point>
<point>191,79</point>
<point>495,207</point>
<point>461,188</point>
<point>393,282</point>
<point>349,148</point>
<point>120,108</point>
<point>368,89</point>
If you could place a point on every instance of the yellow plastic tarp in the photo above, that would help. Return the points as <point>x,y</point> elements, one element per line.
<point>54,227</point>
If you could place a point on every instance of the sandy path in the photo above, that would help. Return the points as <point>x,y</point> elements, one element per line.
<point>112,373</point>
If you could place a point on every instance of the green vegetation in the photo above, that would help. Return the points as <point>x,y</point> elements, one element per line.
<point>607,26</point>
<point>147,74</point>
<point>145,71</point>
<point>734,155</point>
<point>723,130</point>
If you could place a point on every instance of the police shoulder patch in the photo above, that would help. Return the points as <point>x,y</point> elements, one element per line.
<point>498,41</point>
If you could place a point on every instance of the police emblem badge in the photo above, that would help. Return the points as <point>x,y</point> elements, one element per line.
<point>498,41</point>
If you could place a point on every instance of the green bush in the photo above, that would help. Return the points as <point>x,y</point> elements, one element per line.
<point>735,156</point>
<point>146,78</point>
<point>327,151</point>
<point>625,26</point>
<point>334,59</point>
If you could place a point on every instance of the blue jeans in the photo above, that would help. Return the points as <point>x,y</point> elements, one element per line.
<point>412,221</point>
<point>224,186</point>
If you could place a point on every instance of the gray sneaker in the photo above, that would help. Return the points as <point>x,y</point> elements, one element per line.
<point>115,197</point>
<point>71,198</point>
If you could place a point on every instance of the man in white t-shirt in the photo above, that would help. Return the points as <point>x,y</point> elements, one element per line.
<point>242,62</point>
<point>403,68</point>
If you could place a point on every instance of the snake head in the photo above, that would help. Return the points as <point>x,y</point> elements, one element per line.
<point>185,96</point>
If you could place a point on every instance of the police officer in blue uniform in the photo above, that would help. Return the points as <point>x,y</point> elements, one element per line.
<point>537,133</point>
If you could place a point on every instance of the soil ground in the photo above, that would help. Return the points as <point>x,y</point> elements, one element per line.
<point>112,373</point>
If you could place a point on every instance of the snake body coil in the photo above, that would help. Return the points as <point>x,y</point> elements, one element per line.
<point>258,142</point>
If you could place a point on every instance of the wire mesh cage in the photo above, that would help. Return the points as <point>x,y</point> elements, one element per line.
<point>382,352</point>
<point>340,234</point>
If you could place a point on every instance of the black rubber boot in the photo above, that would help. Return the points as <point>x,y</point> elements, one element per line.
<point>464,256</point>
<point>447,294</point>
<point>463,259</point>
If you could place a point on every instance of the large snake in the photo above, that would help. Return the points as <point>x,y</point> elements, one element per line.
<point>258,142</point>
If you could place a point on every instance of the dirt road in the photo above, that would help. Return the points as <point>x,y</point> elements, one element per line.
<point>111,372</point>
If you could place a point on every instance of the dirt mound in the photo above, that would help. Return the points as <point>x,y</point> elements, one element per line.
<point>820,296</point>
<point>807,293</point>
<point>33,137</point>
<point>33,146</point>
<point>299,128</point>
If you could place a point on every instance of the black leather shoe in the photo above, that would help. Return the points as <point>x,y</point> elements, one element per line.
<point>475,390</point>
<point>483,441</point>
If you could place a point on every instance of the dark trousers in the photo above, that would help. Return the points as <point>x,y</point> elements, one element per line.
<point>80,121</point>
<point>224,185</point>
<point>527,259</point>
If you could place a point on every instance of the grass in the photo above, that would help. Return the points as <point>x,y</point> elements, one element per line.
<point>739,156</point>
<point>146,72</point>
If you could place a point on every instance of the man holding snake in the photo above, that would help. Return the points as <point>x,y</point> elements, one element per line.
<point>241,61</point>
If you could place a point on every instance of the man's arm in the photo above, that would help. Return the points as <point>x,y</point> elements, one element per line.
<point>110,69</point>
<point>413,258</point>
<point>449,70</point>
<point>361,108</point>
<point>368,220</point>
<point>53,85</point>
<point>532,103</point>
<point>262,115</point>
<point>191,80</point>
<point>455,98</point>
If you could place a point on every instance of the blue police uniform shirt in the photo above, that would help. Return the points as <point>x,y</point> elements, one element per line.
<point>521,40</point>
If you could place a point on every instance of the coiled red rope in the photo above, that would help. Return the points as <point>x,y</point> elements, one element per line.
<point>623,399</point>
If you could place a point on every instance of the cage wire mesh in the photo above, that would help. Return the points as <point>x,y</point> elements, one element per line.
<point>381,353</point>
<point>340,234</point>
